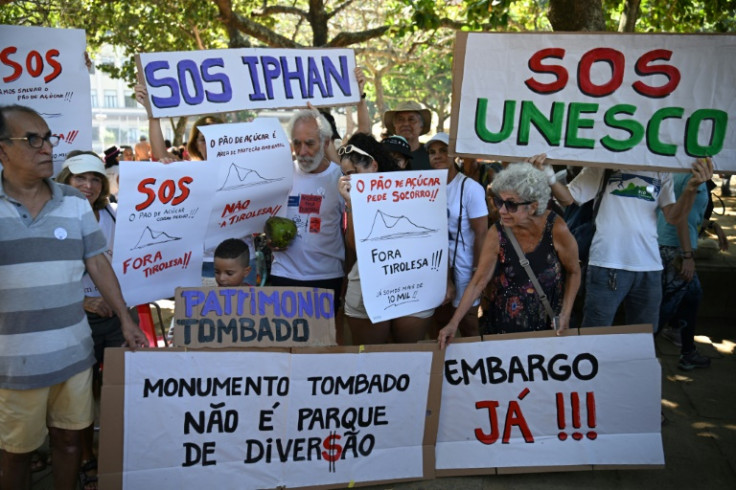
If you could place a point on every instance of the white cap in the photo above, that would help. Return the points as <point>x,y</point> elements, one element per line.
<point>80,164</point>
<point>441,136</point>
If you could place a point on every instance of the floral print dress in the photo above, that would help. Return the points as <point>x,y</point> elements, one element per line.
<point>513,304</point>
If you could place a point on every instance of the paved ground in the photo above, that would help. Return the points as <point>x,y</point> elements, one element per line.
<point>699,435</point>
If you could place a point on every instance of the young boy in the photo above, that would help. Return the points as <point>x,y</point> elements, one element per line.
<point>232,263</point>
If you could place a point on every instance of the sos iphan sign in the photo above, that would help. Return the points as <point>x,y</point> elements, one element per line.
<point>203,82</point>
<point>620,100</point>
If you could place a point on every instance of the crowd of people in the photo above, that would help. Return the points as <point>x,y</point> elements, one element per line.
<point>513,262</point>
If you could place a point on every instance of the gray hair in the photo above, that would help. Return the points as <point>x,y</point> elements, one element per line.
<point>325,130</point>
<point>529,183</point>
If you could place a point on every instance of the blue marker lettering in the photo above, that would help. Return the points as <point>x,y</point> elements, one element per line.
<point>150,72</point>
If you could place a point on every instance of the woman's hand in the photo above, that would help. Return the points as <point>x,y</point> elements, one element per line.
<point>538,160</point>
<point>141,95</point>
<point>88,62</point>
<point>445,336</point>
<point>701,171</point>
<point>343,187</point>
<point>564,323</point>
<point>98,306</point>
<point>360,78</point>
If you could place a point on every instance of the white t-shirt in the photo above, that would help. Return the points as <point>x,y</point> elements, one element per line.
<point>107,225</point>
<point>626,224</point>
<point>474,206</point>
<point>315,205</point>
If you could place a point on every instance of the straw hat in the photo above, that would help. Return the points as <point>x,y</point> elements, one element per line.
<point>408,106</point>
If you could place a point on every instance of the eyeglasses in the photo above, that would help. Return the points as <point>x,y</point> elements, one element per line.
<point>348,149</point>
<point>36,140</point>
<point>511,206</point>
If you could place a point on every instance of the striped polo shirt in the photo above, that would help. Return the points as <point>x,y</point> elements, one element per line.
<point>44,335</point>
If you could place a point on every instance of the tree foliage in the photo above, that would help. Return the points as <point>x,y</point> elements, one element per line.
<point>405,45</point>
<point>673,15</point>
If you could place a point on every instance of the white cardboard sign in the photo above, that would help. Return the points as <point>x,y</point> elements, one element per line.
<point>269,419</point>
<point>185,83</point>
<point>161,222</point>
<point>636,100</point>
<point>551,401</point>
<point>44,69</point>
<point>254,176</point>
<point>400,223</point>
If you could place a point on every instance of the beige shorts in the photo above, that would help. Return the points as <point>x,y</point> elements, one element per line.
<point>26,414</point>
<point>355,308</point>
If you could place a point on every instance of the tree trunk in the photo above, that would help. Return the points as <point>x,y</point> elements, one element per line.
<point>441,118</point>
<point>318,22</point>
<point>179,127</point>
<point>629,16</point>
<point>576,15</point>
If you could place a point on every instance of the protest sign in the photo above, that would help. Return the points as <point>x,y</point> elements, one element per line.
<point>44,69</point>
<point>652,101</point>
<point>248,316</point>
<point>254,176</point>
<point>525,401</point>
<point>400,224</point>
<point>160,227</point>
<point>268,419</point>
<point>185,83</point>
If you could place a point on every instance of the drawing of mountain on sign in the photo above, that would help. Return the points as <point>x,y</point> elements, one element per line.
<point>386,227</point>
<point>150,237</point>
<point>238,177</point>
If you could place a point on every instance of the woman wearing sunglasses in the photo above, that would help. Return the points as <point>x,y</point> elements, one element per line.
<point>363,154</point>
<point>521,193</point>
<point>467,226</point>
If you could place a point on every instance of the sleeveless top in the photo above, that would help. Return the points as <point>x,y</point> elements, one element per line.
<point>513,304</point>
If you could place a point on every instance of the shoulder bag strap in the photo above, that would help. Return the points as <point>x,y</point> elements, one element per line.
<point>459,221</point>
<point>112,215</point>
<point>528,268</point>
<point>599,196</point>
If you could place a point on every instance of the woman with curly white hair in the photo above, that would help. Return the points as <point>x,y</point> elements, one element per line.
<point>521,193</point>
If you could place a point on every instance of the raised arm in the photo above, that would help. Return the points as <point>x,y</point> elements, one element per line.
<point>159,152</point>
<point>364,119</point>
<point>702,171</point>
<point>559,190</point>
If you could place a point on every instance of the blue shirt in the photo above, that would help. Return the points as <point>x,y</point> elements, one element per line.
<point>667,233</point>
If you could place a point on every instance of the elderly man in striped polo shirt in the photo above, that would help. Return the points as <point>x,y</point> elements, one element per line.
<point>48,236</point>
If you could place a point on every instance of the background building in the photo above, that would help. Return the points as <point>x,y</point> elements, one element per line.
<point>117,119</point>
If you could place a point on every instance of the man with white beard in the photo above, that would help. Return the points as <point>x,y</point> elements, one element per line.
<point>315,257</point>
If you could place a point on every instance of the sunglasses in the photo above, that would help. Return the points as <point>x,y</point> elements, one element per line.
<point>511,206</point>
<point>348,149</point>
